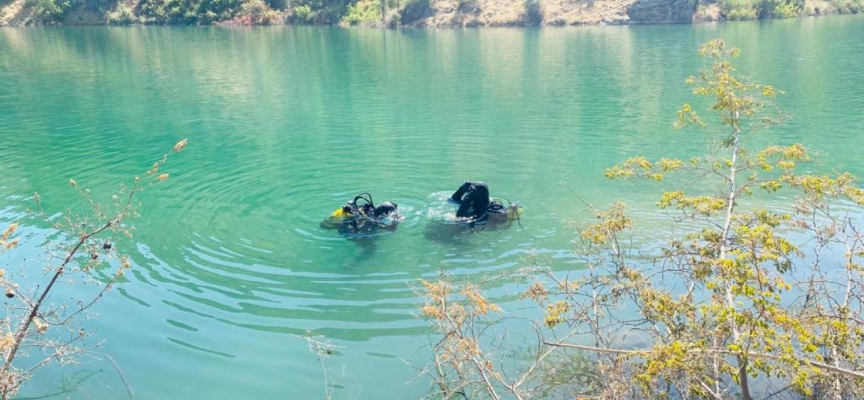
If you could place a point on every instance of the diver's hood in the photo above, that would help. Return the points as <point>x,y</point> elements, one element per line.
<point>386,208</point>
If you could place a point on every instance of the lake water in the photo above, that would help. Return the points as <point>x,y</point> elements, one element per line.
<point>287,123</point>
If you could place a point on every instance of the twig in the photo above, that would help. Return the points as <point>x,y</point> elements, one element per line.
<point>120,373</point>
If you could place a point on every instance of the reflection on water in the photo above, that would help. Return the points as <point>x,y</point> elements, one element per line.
<point>285,124</point>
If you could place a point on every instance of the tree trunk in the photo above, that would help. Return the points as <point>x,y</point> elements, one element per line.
<point>724,248</point>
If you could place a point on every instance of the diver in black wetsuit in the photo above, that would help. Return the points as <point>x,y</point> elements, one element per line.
<point>475,204</point>
<point>360,217</point>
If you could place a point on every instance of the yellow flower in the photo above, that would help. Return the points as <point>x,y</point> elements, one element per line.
<point>6,342</point>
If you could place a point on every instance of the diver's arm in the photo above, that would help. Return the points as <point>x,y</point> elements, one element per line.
<point>462,212</point>
<point>467,205</point>
<point>457,197</point>
<point>480,210</point>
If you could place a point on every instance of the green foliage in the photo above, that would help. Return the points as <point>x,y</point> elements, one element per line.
<point>50,11</point>
<point>611,223</point>
<point>205,12</point>
<point>849,6</point>
<point>257,12</point>
<point>199,12</point>
<point>122,16</point>
<point>785,10</point>
<point>277,4</point>
<point>735,10</point>
<point>303,14</point>
<point>781,8</point>
<point>761,9</point>
<point>751,301</point>
<point>317,11</point>
<point>738,293</point>
<point>363,12</point>
<point>101,6</point>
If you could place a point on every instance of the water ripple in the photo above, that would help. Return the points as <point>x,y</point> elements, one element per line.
<point>287,124</point>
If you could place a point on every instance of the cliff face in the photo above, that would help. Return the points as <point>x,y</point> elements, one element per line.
<point>661,11</point>
<point>469,13</point>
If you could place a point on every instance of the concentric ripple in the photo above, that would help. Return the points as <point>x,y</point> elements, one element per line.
<point>231,267</point>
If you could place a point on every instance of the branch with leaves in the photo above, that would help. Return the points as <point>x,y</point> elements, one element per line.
<point>86,255</point>
<point>733,322</point>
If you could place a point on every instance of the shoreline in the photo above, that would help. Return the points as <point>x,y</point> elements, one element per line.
<point>230,24</point>
<point>435,14</point>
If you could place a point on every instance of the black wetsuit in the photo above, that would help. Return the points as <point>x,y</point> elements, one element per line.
<point>474,202</point>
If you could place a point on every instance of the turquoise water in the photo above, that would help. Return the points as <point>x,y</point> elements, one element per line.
<point>286,124</point>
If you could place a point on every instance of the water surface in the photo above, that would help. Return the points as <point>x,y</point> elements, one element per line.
<point>286,124</point>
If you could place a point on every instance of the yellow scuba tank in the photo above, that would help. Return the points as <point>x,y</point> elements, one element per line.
<point>339,214</point>
<point>336,218</point>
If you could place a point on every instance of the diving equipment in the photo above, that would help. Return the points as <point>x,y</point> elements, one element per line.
<point>360,215</point>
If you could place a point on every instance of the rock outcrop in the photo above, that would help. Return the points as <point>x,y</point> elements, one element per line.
<point>470,13</point>
<point>662,11</point>
<point>15,13</point>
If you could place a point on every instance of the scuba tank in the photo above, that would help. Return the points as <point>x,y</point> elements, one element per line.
<point>340,214</point>
<point>360,214</point>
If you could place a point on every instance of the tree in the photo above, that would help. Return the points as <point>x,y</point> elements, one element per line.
<point>756,303</point>
<point>36,331</point>
<point>747,300</point>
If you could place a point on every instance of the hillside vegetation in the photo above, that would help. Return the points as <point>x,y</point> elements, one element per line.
<point>408,13</point>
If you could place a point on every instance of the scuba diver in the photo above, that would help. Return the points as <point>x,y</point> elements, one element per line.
<point>477,211</point>
<point>361,218</point>
<point>475,206</point>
